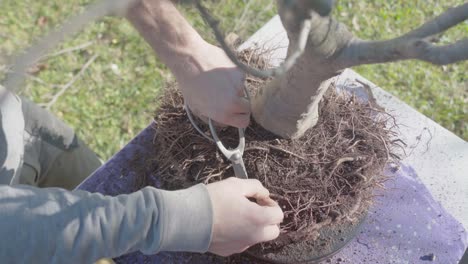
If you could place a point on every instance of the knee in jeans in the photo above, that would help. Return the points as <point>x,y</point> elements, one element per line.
<point>29,175</point>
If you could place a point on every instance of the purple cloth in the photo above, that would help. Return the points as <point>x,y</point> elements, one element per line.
<point>406,225</point>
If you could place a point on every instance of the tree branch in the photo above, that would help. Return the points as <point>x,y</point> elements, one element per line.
<point>441,23</point>
<point>412,45</point>
<point>285,66</point>
<point>303,7</point>
<point>15,78</point>
<point>369,52</point>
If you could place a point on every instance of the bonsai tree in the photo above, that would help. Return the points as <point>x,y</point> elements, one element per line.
<point>321,168</point>
<point>320,46</point>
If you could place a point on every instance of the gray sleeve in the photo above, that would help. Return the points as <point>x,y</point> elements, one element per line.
<point>57,226</point>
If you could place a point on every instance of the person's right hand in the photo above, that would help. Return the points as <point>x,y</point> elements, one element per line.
<point>239,223</point>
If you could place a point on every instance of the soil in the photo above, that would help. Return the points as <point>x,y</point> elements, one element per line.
<point>324,181</point>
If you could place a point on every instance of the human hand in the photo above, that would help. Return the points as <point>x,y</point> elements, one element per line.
<point>213,87</point>
<point>239,223</point>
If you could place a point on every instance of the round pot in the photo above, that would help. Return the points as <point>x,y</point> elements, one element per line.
<point>330,241</point>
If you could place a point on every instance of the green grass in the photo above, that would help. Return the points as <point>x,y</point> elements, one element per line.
<point>107,108</point>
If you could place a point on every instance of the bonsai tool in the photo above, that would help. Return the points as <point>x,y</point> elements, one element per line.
<point>234,155</point>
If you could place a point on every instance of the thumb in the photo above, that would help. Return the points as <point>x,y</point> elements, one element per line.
<point>253,188</point>
<point>266,201</point>
<point>267,233</point>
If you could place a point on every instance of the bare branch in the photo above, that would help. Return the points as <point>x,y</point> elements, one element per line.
<point>368,52</point>
<point>302,8</point>
<point>412,45</point>
<point>441,23</point>
<point>71,49</point>
<point>442,55</point>
<point>73,25</point>
<point>285,66</point>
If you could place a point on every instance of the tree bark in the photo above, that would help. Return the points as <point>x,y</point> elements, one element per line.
<point>288,105</point>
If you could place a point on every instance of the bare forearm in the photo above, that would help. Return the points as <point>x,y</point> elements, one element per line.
<point>212,86</point>
<point>166,30</point>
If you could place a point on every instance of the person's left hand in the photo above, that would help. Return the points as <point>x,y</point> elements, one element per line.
<point>213,87</point>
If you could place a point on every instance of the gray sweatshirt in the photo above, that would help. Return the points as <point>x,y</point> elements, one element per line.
<point>57,226</point>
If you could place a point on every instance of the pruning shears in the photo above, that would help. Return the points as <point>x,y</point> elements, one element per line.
<point>234,155</point>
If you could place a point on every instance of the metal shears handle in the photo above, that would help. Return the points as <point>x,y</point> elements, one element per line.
<point>234,155</point>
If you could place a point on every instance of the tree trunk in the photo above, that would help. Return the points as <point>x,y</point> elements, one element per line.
<point>288,105</point>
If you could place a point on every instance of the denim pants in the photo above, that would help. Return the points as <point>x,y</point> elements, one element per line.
<point>53,155</point>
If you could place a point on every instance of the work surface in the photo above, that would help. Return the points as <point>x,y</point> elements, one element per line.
<point>422,216</point>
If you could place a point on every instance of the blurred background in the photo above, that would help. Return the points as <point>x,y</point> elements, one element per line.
<point>115,96</point>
